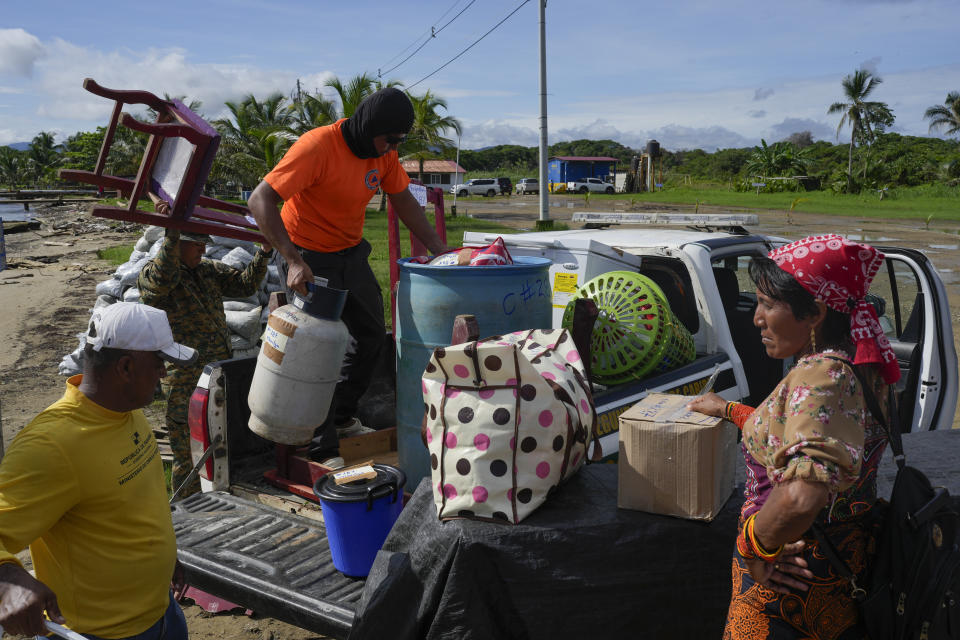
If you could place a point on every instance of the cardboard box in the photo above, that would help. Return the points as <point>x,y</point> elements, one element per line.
<point>673,461</point>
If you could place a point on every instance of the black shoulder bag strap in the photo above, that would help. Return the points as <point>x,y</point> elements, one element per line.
<point>896,446</point>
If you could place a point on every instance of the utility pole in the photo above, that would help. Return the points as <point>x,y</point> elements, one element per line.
<point>544,222</point>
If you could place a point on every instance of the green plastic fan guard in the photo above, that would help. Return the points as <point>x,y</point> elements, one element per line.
<point>636,333</point>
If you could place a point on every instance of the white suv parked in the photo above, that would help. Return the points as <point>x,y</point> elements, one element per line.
<point>477,187</point>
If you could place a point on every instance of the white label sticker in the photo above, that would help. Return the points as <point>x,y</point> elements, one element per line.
<point>353,473</point>
<point>275,339</point>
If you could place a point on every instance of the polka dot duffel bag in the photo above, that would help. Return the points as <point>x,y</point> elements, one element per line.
<point>507,419</point>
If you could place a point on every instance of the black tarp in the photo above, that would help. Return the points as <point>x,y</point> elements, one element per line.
<point>578,567</point>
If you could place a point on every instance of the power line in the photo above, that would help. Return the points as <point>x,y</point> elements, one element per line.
<point>433,34</point>
<point>440,68</point>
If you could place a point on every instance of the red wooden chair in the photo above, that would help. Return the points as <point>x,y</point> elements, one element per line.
<point>175,166</point>
<point>417,248</point>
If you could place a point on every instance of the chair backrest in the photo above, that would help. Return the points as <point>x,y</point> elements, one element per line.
<point>174,167</point>
<point>433,196</point>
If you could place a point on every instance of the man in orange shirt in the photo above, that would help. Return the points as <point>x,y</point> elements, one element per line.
<point>325,182</point>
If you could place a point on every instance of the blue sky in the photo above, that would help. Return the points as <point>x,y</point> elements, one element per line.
<point>690,73</point>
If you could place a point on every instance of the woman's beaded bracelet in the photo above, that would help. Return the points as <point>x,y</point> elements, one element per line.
<point>758,549</point>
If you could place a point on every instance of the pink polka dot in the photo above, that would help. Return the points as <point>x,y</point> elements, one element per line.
<point>451,441</point>
<point>510,495</point>
<point>584,406</point>
<point>461,371</point>
<point>546,418</point>
<point>486,393</point>
<point>511,381</point>
<point>449,491</point>
<point>548,375</point>
<point>560,366</point>
<point>423,385</point>
<point>543,469</point>
<point>481,441</point>
<point>513,443</point>
<point>429,436</point>
<point>479,494</point>
<point>573,356</point>
<point>450,392</point>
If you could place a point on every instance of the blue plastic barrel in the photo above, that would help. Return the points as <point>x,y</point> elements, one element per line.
<point>358,516</point>
<point>503,298</point>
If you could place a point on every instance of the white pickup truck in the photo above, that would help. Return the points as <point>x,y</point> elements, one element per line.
<point>589,185</point>
<point>245,540</point>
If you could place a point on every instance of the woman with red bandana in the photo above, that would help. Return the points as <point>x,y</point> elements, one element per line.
<point>812,447</point>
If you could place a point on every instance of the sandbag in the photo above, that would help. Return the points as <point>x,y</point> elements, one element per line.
<point>111,287</point>
<point>240,343</point>
<point>238,258</point>
<point>238,305</point>
<point>245,323</point>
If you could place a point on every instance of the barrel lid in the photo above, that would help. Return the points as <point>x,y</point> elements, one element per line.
<point>520,263</point>
<point>388,482</point>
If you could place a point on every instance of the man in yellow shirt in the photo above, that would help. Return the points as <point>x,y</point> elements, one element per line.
<point>83,486</point>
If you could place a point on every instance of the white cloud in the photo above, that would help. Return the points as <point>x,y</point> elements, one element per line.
<point>156,70</point>
<point>19,51</point>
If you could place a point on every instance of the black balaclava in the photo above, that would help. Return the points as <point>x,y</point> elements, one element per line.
<point>385,111</point>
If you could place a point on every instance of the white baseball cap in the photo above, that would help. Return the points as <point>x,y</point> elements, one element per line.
<point>137,327</point>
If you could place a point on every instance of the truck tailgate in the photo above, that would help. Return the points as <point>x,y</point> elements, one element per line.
<point>275,563</point>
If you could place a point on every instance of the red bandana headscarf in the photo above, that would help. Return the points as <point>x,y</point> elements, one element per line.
<point>839,272</point>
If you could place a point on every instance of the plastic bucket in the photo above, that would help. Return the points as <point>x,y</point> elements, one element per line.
<point>359,515</point>
<point>503,298</point>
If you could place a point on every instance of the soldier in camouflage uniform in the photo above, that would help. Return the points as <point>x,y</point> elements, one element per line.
<point>191,291</point>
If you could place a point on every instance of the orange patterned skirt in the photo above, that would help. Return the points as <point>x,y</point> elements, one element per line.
<point>824,612</point>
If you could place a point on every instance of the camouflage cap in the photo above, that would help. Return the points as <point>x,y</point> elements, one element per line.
<point>190,236</point>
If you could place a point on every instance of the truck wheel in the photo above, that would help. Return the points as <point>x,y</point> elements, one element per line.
<point>609,190</point>
<point>462,193</point>
<point>491,193</point>
<point>582,190</point>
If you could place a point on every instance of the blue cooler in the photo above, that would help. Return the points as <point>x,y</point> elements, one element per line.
<point>359,515</point>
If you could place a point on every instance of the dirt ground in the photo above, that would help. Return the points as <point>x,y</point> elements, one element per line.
<point>47,291</point>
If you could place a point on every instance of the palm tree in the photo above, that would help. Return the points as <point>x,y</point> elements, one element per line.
<point>352,93</point>
<point>44,156</point>
<point>781,159</point>
<point>946,115</point>
<point>255,138</point>
<point>425,139</point>
<point>13,167</point>
<point>311,111</point>
<point>866,118</point>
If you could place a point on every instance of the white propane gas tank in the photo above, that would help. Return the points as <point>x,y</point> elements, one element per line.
<point>298,366</point>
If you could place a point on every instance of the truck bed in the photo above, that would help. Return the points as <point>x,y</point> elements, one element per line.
<point>276,563</point>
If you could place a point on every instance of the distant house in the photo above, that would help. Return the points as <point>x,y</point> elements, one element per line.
<point>563,169</point>
<point>435,172</point>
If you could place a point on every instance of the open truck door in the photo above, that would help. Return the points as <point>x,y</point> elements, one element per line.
<point>915,314</point>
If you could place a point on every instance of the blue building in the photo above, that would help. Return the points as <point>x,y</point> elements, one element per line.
<point>563,169</point>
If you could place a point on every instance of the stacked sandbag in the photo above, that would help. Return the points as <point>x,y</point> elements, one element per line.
<point>245,317</point>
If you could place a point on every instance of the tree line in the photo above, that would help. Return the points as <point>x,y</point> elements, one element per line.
<point>253,137</point>
<point>257,132</point>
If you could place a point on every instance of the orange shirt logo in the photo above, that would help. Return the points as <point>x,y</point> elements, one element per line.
<point>372,179</point>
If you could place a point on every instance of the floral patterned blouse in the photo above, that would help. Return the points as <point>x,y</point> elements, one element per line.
<point>816,426</point>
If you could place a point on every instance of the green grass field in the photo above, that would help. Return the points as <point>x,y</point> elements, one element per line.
<point>933,203</point>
